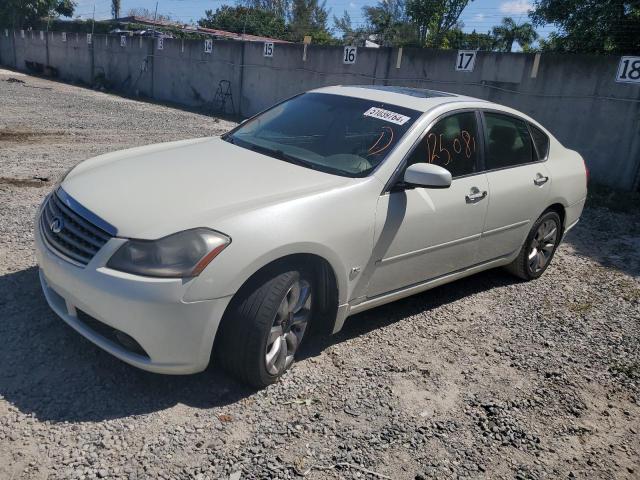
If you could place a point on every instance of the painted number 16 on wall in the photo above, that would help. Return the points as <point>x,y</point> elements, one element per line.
<point>350,55</point>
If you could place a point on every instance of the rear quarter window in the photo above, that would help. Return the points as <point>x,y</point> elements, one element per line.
<point>541,141</point>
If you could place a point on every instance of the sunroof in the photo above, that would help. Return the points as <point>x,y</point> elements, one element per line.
<point>414,92</point>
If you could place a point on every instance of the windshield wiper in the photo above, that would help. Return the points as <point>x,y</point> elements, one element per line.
<point>280,155</point>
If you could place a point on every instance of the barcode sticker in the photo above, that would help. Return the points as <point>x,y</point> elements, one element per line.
<point>387,115</point>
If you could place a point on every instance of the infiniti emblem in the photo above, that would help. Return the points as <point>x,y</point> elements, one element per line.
<point>56,225</point>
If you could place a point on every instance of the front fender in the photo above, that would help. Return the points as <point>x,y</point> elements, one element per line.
<point>210,287</point>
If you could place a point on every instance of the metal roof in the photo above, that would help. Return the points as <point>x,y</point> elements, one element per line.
<point>214,32</point>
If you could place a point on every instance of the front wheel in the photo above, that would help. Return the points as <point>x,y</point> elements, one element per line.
<point>539,247</point>
<point>264,328</point>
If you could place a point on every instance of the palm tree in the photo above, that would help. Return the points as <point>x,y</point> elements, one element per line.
<point>509,31</point>
<point>115,8</point>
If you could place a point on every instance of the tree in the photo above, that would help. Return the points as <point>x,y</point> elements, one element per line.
<point>115,8</point>
<point>434,18</point>
<point>389,23</point>
<point>386,23</point>
<point>253,21</point>
<point>509,31</point>
<point>350,35</point>
<point>280,8</point>
<point>459,40</point>
<point>309,17</point>
<point>590,26</point>
<point>16,13</point>
<point>147,14</point>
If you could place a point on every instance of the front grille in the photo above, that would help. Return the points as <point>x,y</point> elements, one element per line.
<point>78,239</point>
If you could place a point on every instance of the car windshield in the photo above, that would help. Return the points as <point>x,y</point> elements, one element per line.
<point>332,133</point>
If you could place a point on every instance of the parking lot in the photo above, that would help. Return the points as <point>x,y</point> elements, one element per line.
<point>486,377</point>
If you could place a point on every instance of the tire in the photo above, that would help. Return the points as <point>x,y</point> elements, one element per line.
<point>247,346</point>
<point>549,227</point>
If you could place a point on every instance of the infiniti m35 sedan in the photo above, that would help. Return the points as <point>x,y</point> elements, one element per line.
<point>327,204</point>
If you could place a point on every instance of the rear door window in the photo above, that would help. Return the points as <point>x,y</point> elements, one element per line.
<point>508,143</point>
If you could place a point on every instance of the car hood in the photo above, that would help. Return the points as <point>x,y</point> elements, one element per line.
<point>149,192</point>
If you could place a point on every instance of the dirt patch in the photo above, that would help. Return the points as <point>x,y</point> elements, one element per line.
<point>25,182</point>
<point>26,135</point>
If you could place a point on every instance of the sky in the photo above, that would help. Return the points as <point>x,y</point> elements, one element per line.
<point>480,15</point>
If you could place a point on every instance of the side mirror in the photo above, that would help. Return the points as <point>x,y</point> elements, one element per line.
<point>427,175</point>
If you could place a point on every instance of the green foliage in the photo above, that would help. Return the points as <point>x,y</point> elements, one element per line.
<point>19,13</point>
<point>458,40</point>
<point>387,24</point>
<point>509,32</point>
<point>590,26</point>
<point>250,20</point>
<point>279,8</point>
<point>147,14</point>
<point>309,17</point>
<point>434,18</point>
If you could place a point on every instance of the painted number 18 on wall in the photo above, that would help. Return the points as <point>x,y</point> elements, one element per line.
<point>629,70</point>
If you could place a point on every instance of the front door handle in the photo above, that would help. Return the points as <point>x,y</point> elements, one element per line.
<point>475,196</point>
<point>540,180</point>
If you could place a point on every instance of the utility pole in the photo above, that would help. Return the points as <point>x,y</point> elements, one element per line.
<point>93,24</point>
<point>244,26</point>
<point>155,17</point>
<point>46,39</point>
<point>153,50</point>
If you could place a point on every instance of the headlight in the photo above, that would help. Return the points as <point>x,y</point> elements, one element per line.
<point>183,254</point>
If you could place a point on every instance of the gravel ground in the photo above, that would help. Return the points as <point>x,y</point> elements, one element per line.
<point>483,378</point>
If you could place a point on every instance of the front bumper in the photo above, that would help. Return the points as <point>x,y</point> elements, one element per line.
<point>175,336</point>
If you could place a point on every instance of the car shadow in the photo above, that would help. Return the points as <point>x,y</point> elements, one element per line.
<point>391,313</point>
<point>612,240</point>
<point>50,371</point>
<point>47,369</point>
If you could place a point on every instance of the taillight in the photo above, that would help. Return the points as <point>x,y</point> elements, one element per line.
<point>586,171</point>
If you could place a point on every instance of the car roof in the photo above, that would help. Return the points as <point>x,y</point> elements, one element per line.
<point>420,99</point>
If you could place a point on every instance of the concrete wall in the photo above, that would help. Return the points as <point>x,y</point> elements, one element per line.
<point>72,58</point>
<point>574,96</point>
<point>185,74</point>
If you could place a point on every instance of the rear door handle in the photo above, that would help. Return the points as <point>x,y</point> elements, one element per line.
<point>540,180</point>
<point>475,195</point>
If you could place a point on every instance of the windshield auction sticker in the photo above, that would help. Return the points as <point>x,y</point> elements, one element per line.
<point>386,115</point>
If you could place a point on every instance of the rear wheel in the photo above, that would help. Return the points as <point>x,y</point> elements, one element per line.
<point>263,330</point>
<point>539,248</point>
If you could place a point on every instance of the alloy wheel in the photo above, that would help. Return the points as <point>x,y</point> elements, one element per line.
<point>288,327</point>
<point>542,246</point>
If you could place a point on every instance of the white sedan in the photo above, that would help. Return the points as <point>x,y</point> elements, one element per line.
<point>330,203</point>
